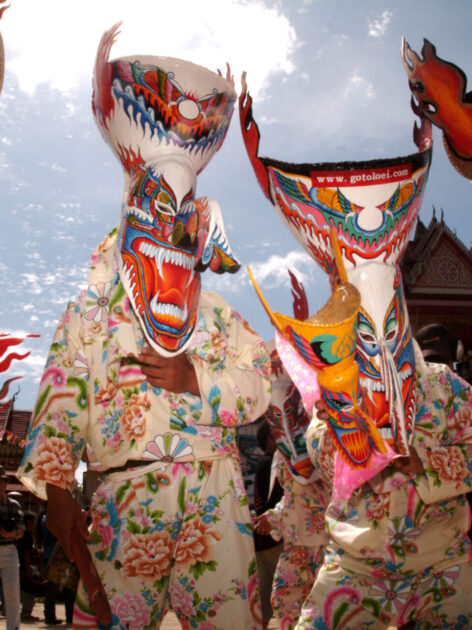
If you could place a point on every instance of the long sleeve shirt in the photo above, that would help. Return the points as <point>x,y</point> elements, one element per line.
<point>94,396</point>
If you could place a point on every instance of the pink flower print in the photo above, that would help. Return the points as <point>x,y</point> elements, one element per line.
<point>378,507</point>
<point>181,600</point>
<point>96,305</point>
<point>289,578</point>
<point>106,534</point>
<point>227,418</point>
<point>63,427</point>
<point>130,610</point>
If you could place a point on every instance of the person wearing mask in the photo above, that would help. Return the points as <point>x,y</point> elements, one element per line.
<point>151,375</point>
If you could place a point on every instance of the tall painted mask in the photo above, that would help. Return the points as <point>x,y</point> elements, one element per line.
<point>164,119</point>
<point>371,208</point>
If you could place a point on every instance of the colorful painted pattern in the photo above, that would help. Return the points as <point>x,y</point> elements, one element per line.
<point>398,534</point>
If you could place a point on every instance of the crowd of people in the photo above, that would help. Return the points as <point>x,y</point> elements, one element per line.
<point>33,567</point>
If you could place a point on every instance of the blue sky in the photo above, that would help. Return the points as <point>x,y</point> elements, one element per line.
<point>328,85</point>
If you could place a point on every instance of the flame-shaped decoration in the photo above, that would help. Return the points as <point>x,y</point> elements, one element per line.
<point>2,52</point>
<point>300,300</point>
<point>6,359</point>
<point>439,88</point>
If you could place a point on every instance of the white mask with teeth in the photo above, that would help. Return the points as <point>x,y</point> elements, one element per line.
<point>164,119</point>
<point>385,351</point>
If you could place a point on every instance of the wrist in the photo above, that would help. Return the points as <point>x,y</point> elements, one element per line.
<point>192,381</point>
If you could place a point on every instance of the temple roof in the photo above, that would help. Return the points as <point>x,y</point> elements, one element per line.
<point>437,261</point>
<point>16,422</point>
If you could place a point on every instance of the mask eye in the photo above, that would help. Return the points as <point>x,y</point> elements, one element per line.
<point>367,338</point>
<point>164,204</point>
<point>390,336</point>
<point>391,330</point>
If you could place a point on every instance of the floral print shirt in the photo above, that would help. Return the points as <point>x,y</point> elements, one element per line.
<point>403,524</point>
<point>299,516</point>
<point>93,395</point>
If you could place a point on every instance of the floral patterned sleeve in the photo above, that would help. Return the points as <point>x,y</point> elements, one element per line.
<point>232,368</point>
<point>443,435</point>
<point>299,516</point>
<point>56,436</point>
<point>321,449</point>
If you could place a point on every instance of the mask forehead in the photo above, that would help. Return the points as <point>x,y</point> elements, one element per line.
<point>376,284</point>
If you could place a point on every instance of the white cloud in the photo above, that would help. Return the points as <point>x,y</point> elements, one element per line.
<point>273,272</point>
<point>270,274</point>
<point>378,27</point>
<point>359,85</point>
<point>56,41</point>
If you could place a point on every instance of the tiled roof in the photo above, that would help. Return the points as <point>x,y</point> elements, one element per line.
<point>18,423</point>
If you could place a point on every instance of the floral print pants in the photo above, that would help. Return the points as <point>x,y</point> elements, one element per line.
<point>434,599</point>
<point>176,536</point>
<point>294,576</point>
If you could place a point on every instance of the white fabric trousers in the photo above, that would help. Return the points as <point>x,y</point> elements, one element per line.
<point>10,571</point>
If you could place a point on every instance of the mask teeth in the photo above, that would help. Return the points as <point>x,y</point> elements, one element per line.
<point>159,258</point>
<point>393,392</point>
<point>172,310</point>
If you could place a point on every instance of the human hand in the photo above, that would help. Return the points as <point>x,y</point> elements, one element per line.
<point>321,411</point>
<point>409,464</point>
<point>261,525</point>
<point>65,518</point>
<point>175,374</point>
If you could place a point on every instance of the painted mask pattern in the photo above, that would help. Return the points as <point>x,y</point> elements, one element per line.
<point>288,420</point>
<point>372,207</point>
<point>164,119</point>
